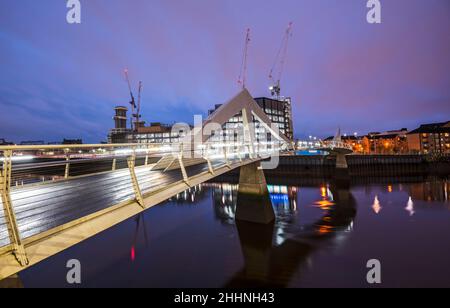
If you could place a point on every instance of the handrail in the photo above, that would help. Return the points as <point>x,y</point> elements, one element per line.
<point>77,146</point>
<point>110,145</point>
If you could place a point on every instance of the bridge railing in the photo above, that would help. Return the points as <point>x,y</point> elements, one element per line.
<point>24,167</point>
<point>42,163</point>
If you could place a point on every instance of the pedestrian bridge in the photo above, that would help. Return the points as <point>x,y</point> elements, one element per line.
<point>54,197</point>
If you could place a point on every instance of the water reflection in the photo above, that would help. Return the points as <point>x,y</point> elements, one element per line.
<point>433,190</point>
<point>269,264</point>
<point>190,196</point>
<point>284,199</point>
<point>225,199</point>
<point>141,227</point>
<point>376,206</point>
<point>327,201</point>
<point>194,242</point>
<point>273,252</point>
<point>410,207</point>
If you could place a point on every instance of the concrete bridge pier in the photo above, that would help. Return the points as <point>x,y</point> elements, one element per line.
<point>12,282</point>
<point>342,175</point>
<point>341,161</point>
<point>254,204</point>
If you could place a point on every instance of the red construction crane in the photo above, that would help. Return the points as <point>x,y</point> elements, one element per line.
<point>278,66</point>
<point>243,72</point>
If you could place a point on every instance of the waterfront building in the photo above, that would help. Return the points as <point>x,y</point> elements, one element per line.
<point>154,133</point>
<point>390,142</point>
<point>4,142</point>
<point>430,138</point>
<point>71,141</point>
<point>278,111</point>
<point>39,142</point>
<point>157,133</point>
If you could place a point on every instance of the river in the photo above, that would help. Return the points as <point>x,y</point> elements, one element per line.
<point>323,237</point>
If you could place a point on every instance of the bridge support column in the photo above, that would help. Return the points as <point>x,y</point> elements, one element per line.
<point>341,161</point>
<point>13,228</point>
<point>114,164</point>
<point>182,167</point>
<point>210,167</point>
<point>254,204</point>
<point>342,175</point>
<point>134,181</point>
<point>12,282</point>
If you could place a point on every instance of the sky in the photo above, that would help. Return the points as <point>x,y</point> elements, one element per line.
<point>63,80</point>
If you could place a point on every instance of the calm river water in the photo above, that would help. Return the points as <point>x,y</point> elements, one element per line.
<point>323,237</point>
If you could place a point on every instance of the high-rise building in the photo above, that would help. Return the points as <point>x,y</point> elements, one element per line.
<point>120,118</point>
<point>278,111</point>
<point>120,133</point>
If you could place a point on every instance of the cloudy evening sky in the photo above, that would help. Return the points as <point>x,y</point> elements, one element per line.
<point>59,80</point>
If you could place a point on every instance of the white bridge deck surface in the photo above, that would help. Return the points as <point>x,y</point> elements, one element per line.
<point>42,207</point>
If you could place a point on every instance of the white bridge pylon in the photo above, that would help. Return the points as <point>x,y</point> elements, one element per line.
<point>197,147</point>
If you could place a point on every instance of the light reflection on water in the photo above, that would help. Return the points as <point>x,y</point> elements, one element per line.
<point>323,236</point>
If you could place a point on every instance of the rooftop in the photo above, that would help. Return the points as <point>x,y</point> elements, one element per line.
<point>432,128</point>
<point>155,128</point>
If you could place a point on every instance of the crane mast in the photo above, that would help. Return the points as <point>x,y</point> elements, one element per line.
<point>138,111</point>
<point>132,102</point>
<point>242,80</point>
<point>279,63</point>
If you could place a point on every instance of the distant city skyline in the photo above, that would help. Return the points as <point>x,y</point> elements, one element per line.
<point>63,81</point>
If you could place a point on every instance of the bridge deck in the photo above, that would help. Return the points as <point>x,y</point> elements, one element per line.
<point>40,208</point>
<point>50,202</point>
